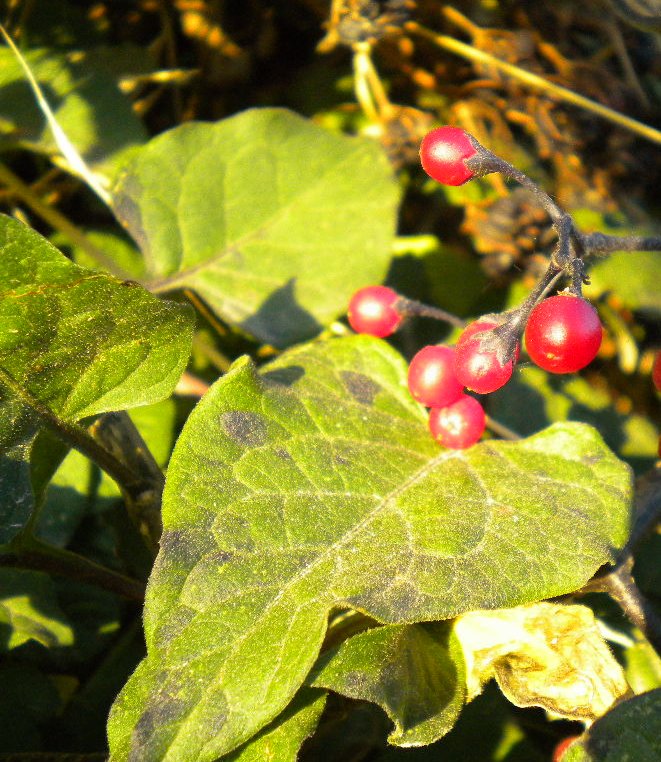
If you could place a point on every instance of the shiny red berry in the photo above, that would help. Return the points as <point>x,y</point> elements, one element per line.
<point>656,371</point>
<point>563,334</point>
<point>477,368</point>
<point>458,425</point>
<point>431,377</point>
<point>443,154</point>
<point>372,310</point>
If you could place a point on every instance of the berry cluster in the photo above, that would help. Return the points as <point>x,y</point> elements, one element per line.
<point>562,333</point>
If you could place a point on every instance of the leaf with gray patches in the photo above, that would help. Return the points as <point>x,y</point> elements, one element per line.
<point>415,672</point>
<point>341,499</point>
<point>73,343</point>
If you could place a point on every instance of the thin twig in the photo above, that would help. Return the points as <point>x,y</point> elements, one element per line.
<point>503,431</point>
<point>75,436</point>
<point>58,221</point>
<point>533,80</point>
<point>30,553</point>
<point>411,307</point>
<point>622,588</point>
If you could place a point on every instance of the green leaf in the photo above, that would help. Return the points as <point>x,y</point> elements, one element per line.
<point>73,343</point>
<point>273,221</point>
<point>415,672</point>
<point>31,611</point>
<point>85,99</point>
<point>643,666</point>
<point>633,277</point>
<point>534,398</point>
<point>316,485</point>
<point>630,731</point>
<point>281,740</point>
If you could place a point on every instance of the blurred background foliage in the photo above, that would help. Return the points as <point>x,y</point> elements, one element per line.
<point>119,71</point>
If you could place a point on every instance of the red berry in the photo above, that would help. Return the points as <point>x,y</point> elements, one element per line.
<point>561,748</point>
<point>563,334</point>
<point>476,368</point>
<point>431,377</point>
<point>372,311</point>
<point>443,154</point>
<point>458,425</point>
<point>656,371</point>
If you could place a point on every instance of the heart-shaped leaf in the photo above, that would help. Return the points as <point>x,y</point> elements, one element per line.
<point>274,221</point>
<point>316,485</point>
<point>415,672</point>
<point>73,343</point>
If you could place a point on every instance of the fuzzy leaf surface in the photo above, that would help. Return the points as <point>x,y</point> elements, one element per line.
<point>315,485</point>
<point>77,343</point>
<point>281,739</point>
<point>415,672</point>
<point>272,220</point>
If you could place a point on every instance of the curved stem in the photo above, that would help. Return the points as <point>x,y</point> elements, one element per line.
<point>533,80</point>
<point>29,553</point>
<point>411,307</point>
<point>74,435</point>
<point>622,588</point>
<point>58,222</point>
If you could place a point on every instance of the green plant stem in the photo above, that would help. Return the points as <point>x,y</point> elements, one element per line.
<point>504,432</point>
<point>119,436</point>
<point>533,80</point>
<point>31,553</point>
<point>58,221</point>
<point>621,587</point>
<point>76,437</point>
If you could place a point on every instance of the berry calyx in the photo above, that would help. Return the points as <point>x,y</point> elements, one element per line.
<point>372,310</point>
<point>656,371</point>
<point>443,154</point>
<point>431,377</point>
<point>561,748</point>
<point>477,367</point>
<point>459,425</point>
<point>563,334</point>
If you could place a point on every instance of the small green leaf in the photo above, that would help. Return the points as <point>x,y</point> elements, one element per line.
<point>630,731</point>
<point>633,276</point>
<point>642,667</point>
<point>316,485</point>
<point>31,611</point>
<point>281,740</point>
<point>274,221</point>
<point>73,343</point>
<point>415,672</point>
